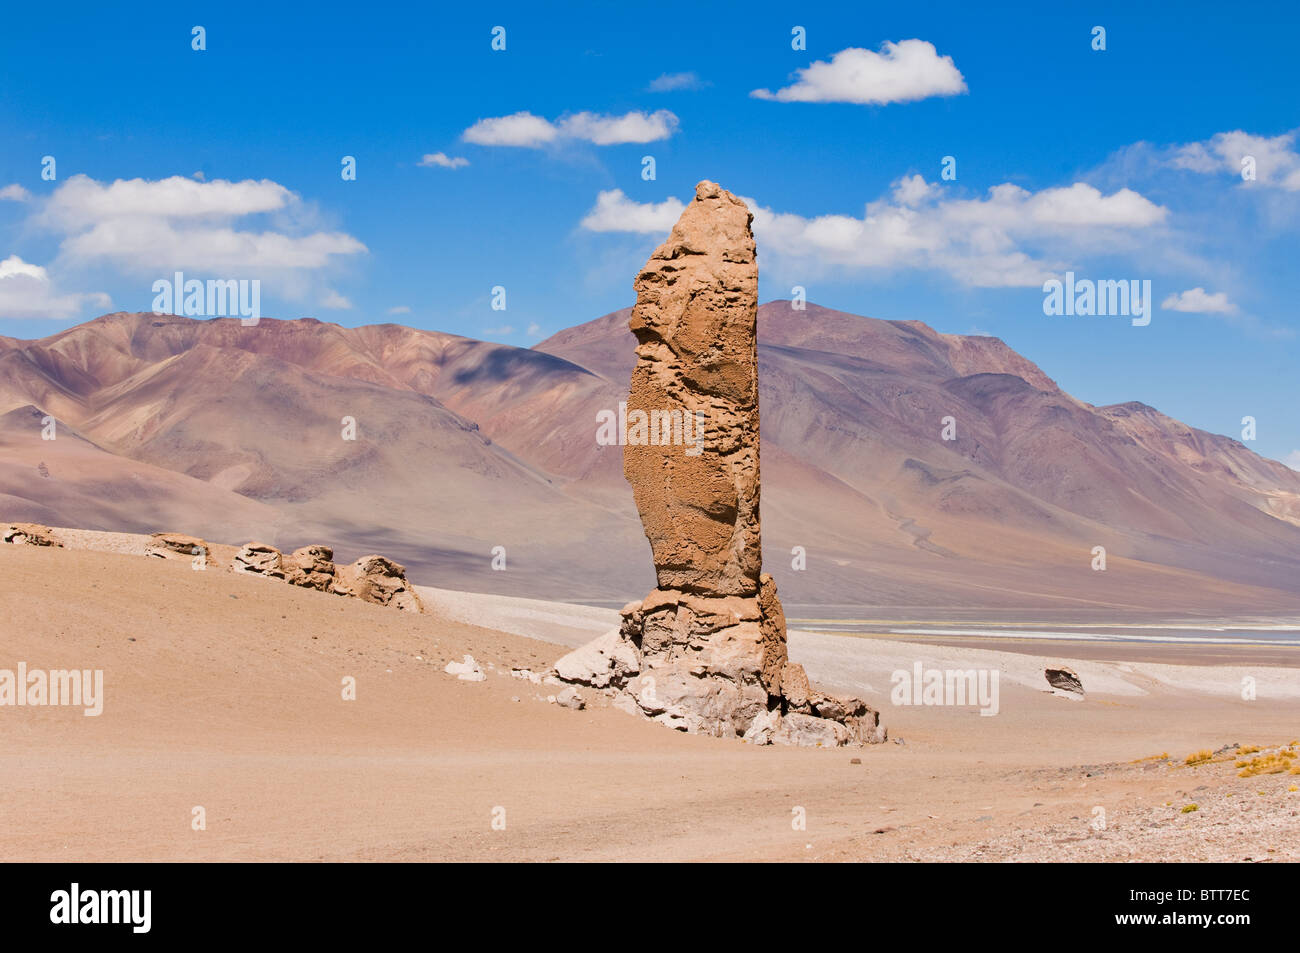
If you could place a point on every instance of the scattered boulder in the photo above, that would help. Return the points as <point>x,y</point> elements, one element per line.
<point>705,652</point>
<point>261,559</point>
<point>379,580</point>
<point>30,534</point>
<point>1064,680</point>
<point>311,567</point>
<point>176,546</point>
<point>569,698</point>
<point>466,671</point>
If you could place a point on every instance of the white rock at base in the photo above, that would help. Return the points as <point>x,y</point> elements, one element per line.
<point>466,671</point>
<point>570,698</point>
<point>605,660</point>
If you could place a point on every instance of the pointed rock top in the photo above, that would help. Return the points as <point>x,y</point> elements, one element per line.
<point>715,223</point>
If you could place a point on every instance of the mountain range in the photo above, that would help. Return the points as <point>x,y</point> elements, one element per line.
<point>470,455</point>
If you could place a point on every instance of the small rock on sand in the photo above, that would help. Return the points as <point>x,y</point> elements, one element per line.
<point>1064,680</point>
<point>569,698</point>
<point>466,671</point>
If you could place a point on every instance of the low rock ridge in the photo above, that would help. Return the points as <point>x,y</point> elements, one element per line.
<point>373,578</point>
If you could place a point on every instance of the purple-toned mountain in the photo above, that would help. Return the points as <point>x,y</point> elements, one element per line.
<point>462,446</point>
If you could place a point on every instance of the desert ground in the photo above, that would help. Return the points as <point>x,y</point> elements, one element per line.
<point>223,691</point>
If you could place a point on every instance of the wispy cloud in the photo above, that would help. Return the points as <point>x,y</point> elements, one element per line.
<point>675,82</point>
<point>335,301</point>
<point>442,160</point>
<point>14,193</point>
<point>900,72</point>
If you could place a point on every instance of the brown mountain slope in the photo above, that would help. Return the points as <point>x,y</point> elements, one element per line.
<point>70,481</point>
<point>259,415</point>
<point>864,402</point>
<point>463,446</point>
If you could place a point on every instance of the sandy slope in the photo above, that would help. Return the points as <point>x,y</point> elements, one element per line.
<point>224,691</point>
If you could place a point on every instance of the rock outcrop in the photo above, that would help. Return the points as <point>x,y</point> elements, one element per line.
<point>379,580</point>
<point>371,578</point>
<point>261,559</point>
<point>30,534</point>
<point>705,652</point>
<point>311,567</point>
<point>176,546</point>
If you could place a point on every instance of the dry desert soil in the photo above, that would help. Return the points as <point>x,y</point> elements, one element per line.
<point>224,691</point>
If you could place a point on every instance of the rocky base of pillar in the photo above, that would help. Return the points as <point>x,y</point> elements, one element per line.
<point>716,665</point>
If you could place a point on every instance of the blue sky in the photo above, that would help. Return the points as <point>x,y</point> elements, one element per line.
<point>1122,163</point>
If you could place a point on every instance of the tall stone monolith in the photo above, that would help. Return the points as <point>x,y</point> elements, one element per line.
<point>706,650</point>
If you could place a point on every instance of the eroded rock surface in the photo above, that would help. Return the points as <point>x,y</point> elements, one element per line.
<point>705,652</point>
<point>373,578</point>
<point>311,567</point>
<point>176,546</point>
<point>379,580</point>
<point>261,559</point>
<point>30,534</point>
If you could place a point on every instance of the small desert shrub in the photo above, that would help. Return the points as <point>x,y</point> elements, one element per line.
<point>1163,756</point>
<point>1265,764</point>
<point>1187,809</point>
<point>1199,757</point>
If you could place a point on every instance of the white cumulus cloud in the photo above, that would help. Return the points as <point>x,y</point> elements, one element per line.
<point>520,129</point>
<point>986,242</point>
<point>525,130</point>
<point>14,193</point>
<point>145,225</point>
<point>1199,301</point>
<point>26,291</point>
<point>615,212</point>
<point>1277,163</point>
<point>901,72</point>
